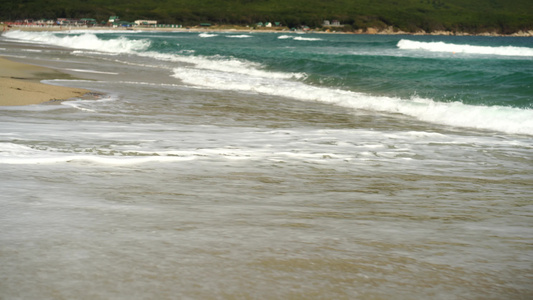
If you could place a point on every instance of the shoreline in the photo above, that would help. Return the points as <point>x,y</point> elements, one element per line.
<point>20,84</point>
<point>233,28</point>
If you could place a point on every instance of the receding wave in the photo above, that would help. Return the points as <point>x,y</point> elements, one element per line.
<point>468,49</point>
<point>15,154</point>
<point>88,41</point>
<point>21,154</point>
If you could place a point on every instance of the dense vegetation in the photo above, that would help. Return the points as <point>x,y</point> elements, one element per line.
<point>503,16</point>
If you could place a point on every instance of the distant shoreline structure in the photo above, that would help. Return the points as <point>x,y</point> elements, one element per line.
<point>237,28</point>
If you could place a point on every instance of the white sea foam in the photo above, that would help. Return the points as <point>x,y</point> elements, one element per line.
<point>89,105</point>
<point>82,52</point>
<point>77,31</point>
<point>298,38</point>
<point>138,145</point>
<point>88,41</point>
<point>20,154</point>
<point>240,36</point>
<point>468,49</point>
<point>320,151</point>
<point>207,35</point>
<point>11,153</point>
<point>31,50</point>
<point>78,106</point>
<point>92,71</point>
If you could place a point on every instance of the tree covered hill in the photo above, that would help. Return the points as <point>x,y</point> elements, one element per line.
<point>474,16</point>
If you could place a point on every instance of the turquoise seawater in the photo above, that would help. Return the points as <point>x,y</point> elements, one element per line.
<point>498,72</point>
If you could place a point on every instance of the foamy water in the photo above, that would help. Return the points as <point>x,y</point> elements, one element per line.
<point>203,173</point>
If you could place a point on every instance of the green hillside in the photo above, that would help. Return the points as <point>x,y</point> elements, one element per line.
<point>503,16</point>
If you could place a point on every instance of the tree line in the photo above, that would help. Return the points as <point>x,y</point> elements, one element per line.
<point>472,16</point>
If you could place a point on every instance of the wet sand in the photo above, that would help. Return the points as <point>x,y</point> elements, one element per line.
<point>20,84</point>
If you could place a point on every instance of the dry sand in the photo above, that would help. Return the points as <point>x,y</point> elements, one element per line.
<point>20,84</point>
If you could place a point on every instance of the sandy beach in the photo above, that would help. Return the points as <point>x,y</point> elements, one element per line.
<point>20,84</point>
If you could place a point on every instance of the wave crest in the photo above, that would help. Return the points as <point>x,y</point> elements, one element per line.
<point>468,49</point>
<point>87,41</point>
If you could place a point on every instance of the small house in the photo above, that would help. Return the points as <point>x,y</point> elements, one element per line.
<point>113,19</point>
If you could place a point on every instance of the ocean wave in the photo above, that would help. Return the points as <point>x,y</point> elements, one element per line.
<point>11,153</point>
<point>86,41</point>
<point>17,154</point>
<point>228,73</point>
<point>20,154</point>
<point>468,49</point>
<point>456,114</point>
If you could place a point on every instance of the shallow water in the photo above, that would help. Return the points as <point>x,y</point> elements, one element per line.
<point>163,188</point>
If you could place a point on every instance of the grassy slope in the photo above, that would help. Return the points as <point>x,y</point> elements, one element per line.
<point>504,16</point>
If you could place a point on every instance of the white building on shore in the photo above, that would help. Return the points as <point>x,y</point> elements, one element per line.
<point>334,23</point>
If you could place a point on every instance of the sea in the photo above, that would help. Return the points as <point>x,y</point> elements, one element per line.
<point>262,165</point>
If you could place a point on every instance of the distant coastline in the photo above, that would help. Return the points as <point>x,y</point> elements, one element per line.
<point>236,28</point>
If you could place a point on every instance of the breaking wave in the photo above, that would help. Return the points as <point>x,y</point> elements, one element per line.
<point>246,78</point>
<point>467,49</point>
<point>87,41</point>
